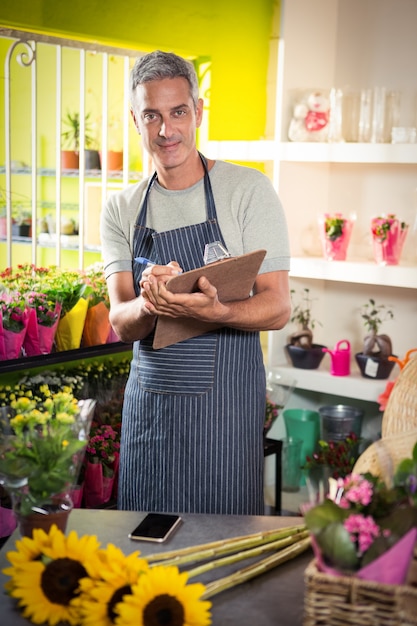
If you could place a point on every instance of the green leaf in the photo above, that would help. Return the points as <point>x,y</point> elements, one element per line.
<point>336,544</point>
<point>320,516</point>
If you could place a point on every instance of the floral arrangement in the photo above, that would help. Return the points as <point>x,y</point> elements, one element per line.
<point>382,225</point>
<point>96,285</point>
<point>74,580</point>
<point>103,444</point>
<point>47,310</point>
<point>13,310</point>
<point>335,231</point>
<point>42,442</point>
<point>334,226</point>
<point>363,520</point>
<point>65,302</point>
<point>339,456</point>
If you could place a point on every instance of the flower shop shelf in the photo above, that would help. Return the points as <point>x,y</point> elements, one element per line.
<point>299,152</point>
<point>27,363</point>
<point>319,380</point>
<point>368,273</point>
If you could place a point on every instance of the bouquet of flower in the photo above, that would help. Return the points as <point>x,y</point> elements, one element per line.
<point>388,237</point>
<point>335,231</point>
<point>365,527</point>
<point>338,456</point>
<point>42,442</point>
<point>76,581</point>
<point>102,447</point>
<point>384,224</point>
<point>101,465</point>
<point>14,316</point>
<point>97,323</point>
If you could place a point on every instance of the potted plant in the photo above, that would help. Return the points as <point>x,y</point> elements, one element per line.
<point>373,360</point>
<point>388,237</point>
<point>21,223</point>
<point>43,449</point>
<point>335,231</point>
<point>301,350</point>
<point>71,139</point>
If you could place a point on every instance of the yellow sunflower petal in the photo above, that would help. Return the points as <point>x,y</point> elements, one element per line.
<point>164,589</point>
<point>46,585</point>
<point>99,596</point>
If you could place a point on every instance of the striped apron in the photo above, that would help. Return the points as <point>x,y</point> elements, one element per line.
<point>192,425</point>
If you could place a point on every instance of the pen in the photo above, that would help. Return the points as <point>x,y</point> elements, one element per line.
<point>143,260</point>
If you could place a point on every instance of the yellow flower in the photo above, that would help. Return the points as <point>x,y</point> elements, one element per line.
<point>45,574</point>
<point>162,597</point>
<point>102,592</point>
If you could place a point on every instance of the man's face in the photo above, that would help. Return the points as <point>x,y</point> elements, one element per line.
<point>165,116</point>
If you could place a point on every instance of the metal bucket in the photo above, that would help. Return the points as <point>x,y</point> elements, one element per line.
<point>338,421</point>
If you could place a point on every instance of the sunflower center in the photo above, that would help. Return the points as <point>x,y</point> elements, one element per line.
<point>164,610</point>
<point>117,597</point>
<point>60,580</point>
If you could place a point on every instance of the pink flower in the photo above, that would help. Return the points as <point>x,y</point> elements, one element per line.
<point>357,490</point>
<point>363,531</point>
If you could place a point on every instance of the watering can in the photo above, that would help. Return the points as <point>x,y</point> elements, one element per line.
<point>402,362</point>
<point>340,358</point>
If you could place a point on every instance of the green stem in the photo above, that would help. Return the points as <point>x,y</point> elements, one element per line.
<point>223,546</point>
<point>246,554</point>
<point>263,566</point>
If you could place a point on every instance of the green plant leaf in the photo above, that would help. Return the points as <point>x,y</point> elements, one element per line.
<point>335,542</point>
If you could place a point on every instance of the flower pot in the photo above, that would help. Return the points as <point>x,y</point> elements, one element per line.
<point>335,245</point>
<point>388,245</point>
<point>92,160</point>
<point>304,358</point>
<point>374,366</point>
<point>22,230</point>
<point>55,512</point>
<point>70,160</point>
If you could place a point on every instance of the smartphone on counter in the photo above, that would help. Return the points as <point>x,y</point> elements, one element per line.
<point>156,527</point>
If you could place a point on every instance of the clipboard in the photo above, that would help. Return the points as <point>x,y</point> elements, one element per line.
<point>233,278</point>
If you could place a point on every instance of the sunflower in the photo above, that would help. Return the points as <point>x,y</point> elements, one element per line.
<point>162,597</point>
<point>102,591</point>
<point>46,571</point>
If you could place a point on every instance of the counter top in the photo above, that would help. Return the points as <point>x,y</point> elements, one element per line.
<point>274,597</point>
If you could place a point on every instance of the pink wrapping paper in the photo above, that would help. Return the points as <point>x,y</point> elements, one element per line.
<point>40,339</point>
<point>97,488</point>
<point>390,568</point>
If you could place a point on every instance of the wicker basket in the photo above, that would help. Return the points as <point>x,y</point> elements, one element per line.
<point>400,413</point>
<point>349,601</point>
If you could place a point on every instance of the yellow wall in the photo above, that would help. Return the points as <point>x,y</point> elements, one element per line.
<point>235,35</point>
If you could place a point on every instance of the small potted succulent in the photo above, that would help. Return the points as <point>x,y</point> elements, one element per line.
<point>373,360</point>
<point>301,350</point>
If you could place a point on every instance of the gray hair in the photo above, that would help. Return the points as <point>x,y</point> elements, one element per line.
<point>158,65</point>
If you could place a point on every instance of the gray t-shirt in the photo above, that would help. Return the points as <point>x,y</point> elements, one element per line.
<point>249,213</point>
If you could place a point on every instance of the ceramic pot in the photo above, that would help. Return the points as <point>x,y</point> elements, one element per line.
<point>303,358</point>
<point>374,366</point>
<point>70,160</point>
<point>92,160</point>
<point>56,512</point>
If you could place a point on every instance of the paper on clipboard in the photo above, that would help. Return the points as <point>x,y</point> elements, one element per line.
<point>233,278</point>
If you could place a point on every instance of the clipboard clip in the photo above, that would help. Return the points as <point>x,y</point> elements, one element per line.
<point>215,251</point>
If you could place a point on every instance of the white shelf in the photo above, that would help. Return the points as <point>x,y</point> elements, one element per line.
<point>268,150</point>
<point>355,272</point>
<point>348,152</point>
<point>319,380</point>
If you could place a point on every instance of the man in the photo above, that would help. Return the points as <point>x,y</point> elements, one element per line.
<point>192,425</point>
